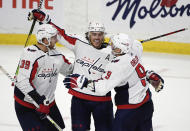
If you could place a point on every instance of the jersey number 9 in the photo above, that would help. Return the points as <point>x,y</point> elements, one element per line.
<point>141,73</point>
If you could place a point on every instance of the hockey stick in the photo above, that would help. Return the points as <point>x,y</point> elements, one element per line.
<point>32,27</point>
<point>37,106</point>
<point>156,37</point>
<point>7,74</point>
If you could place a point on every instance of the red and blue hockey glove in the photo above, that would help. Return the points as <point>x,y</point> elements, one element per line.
<point>155,80</point>
<point>75,81</point>
<point>40,16</point>
<point>43,103</point>
<point>43,108</point>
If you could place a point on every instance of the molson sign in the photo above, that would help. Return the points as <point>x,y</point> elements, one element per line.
<point>144,19</point>
<point>157,8</point>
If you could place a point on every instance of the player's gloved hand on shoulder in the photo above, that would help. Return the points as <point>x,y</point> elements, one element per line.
<point>75,81</point>
<point>39,15</point>
<point>155,80</point>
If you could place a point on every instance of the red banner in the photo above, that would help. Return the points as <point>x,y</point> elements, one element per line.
<point>24,3</point>
<point>0,3</point>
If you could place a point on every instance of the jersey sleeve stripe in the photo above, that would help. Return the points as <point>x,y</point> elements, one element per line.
<point>66,60</point>
<point>33,73</point>
<point>70,39</point>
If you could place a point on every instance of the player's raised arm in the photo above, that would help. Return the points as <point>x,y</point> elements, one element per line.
<point>43,18</point>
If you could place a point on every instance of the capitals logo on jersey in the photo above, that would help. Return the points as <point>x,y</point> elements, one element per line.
<point>91,64</point>
<point>48,73</point>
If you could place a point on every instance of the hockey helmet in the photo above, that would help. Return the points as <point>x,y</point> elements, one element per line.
<point>46,31</point>
<point>121,41</point>
<point>96,26</point>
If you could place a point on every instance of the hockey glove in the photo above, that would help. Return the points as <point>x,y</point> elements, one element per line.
<point>155,80</point>
<point>75,81</point>
<point>40,16</point>
<point>43,103</point>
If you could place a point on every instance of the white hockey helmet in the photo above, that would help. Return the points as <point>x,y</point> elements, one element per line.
<point>123,42</point>
<point>46,31</point>
<point>96,26</point>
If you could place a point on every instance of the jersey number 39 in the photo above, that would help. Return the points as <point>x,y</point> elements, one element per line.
<point>25,64</point>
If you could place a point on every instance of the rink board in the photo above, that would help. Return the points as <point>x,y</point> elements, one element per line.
<point>151,46</point>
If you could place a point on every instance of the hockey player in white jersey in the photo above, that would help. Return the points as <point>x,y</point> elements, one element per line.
<point>91,56</point>
<point>126,74</point>
<point>39,67</point>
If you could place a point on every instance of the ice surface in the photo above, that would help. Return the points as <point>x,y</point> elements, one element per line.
<point>172,106</point>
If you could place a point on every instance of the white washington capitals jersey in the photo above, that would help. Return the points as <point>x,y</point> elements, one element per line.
<point>89,61</point>
<point>39,70</point>
<point>127,75</point>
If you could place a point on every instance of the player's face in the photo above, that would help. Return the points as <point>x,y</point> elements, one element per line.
<point>53,41</point>
<point>96,39</point>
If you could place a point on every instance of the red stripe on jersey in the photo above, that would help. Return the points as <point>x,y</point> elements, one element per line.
<point>133,106</point>
<point>65,60</point>
<point>89,97</point>
<point>32,76</point>
<point>71,40</point>
<point>29,105</point>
